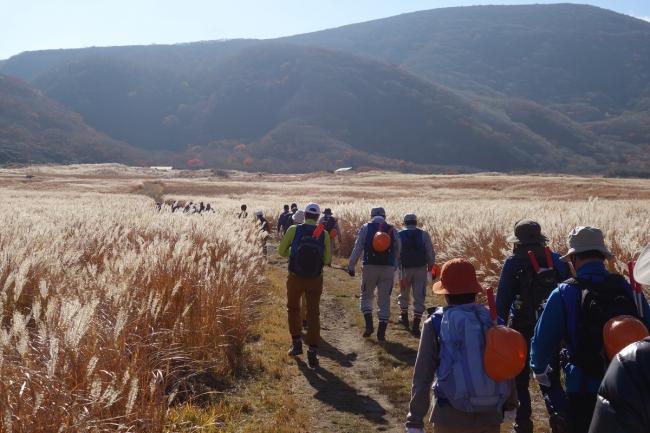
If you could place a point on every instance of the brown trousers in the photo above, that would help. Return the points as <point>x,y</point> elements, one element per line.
<point>312,288</point>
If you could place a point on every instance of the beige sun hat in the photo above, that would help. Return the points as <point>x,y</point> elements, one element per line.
<point>642,267</point>
<point>585,238</point>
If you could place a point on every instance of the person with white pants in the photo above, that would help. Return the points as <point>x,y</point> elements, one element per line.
<point>378,269</point>
<point>416,259</point>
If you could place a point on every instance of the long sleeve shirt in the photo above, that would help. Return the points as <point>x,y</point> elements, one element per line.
<point>553,327</point>
<point>284,249</point>
<point>360,243</point>
<point>509,280</point>
<point>428,246</point>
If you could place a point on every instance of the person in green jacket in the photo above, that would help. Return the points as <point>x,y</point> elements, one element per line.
<point>308,248</point>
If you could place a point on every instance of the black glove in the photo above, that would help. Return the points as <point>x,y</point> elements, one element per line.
<point>351,272</point>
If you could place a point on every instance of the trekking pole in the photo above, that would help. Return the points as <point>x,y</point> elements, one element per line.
<point>492,304</point>
<point>341,268</point>
<point>636,287</point>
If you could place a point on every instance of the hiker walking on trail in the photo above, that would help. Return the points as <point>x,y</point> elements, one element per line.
<point>264,227</point>
<point>308,247</point>
<point>467,400</point>
<point>528,277</point>
<point>299,218</point>
<point>243,214</point>
<point>623,405</point>
<point>284,221</point>
<point>577,312</point>
<point>378,243</point>
<point>416,260</point>
<point>331,224</point>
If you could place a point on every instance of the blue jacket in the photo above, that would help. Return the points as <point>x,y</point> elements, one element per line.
<point>512,267</point>
<point>557,323</point>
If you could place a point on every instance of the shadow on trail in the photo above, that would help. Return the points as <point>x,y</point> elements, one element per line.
<point>334,392</point>
<point>333,353</point>
<point>400,352</point>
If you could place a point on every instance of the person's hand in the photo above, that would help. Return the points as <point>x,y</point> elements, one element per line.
<point>351,271</point>
<point>414,430</point>
<point>543,378</point>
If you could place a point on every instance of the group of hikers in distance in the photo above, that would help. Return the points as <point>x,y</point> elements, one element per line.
<point>552,312</point>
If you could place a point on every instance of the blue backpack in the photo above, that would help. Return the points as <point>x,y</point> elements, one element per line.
<point>461,379</point>
<point>413,253</point>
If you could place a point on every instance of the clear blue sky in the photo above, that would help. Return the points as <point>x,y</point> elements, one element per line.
<point>43,24</point>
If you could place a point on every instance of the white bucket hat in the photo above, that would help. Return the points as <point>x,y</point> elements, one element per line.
<point>642,267</point>
<point>583,239</point>
<point>299,217</point>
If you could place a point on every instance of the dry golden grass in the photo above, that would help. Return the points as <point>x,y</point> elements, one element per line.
<point>111,310</point>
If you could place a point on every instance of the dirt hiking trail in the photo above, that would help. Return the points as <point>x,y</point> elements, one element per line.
<point>349,392</point>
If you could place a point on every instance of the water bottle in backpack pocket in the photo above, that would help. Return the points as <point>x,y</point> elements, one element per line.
<point>461,378</point>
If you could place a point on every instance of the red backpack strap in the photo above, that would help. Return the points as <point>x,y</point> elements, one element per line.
<point>320,228</point>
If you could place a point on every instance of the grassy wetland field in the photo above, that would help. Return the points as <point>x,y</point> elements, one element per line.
<point>119,317</point>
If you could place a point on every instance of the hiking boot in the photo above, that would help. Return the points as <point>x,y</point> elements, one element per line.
<point>404,320</point>
<point>416,327</point>
<point>381,331</point>
<point>522,427</point>
<point>312,359</point>
<point>369,327</point>
<point>296,347</point>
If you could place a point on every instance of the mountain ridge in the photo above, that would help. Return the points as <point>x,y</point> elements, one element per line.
<point>541,111</point>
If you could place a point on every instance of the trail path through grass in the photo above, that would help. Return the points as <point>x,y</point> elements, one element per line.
<point>354,390</point>
<point>362,386</point>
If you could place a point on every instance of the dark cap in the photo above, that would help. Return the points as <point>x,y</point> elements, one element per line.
<point>327,211</point>
<point>527,232</point>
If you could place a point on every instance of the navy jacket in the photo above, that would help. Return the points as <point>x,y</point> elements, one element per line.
<point>508,281</point>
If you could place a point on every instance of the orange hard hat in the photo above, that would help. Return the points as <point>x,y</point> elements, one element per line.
<point>505,353</point>
<point>622,331</point>
<point>381,242</point>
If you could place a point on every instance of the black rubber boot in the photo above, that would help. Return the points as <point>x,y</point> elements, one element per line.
<point>416,326</point>
<point>404,320</point>
<point>369,327</point>
<point>296,347</point>
<point>312,359</point>
<point>381,331</point>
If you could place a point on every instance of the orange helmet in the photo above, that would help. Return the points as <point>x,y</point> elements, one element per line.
<point>505,353</point>
<point>622,331</point>
<point>381,242</point>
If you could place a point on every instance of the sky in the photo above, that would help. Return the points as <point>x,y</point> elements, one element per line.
<point>47,24</point>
